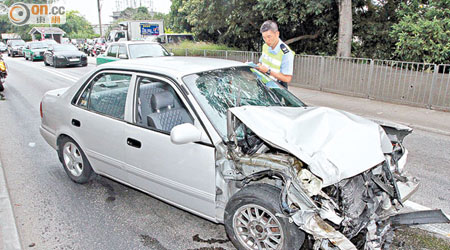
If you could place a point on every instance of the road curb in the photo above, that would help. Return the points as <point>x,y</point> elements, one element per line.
<point>9,236</point>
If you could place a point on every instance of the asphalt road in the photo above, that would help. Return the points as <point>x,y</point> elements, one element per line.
<point>53,212</point>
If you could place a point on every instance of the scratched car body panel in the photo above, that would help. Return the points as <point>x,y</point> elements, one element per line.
<point>201,133</point>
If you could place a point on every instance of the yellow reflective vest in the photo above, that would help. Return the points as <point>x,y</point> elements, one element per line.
<point>273,61</point>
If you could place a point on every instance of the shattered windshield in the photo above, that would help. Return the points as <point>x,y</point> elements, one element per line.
<point>218,90</point>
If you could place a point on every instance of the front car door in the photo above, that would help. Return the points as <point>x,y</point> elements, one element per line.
<point>183,175</point>
<point>111,55</point>
<point>99,123</point>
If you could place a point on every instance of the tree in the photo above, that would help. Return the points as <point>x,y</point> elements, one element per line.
<point>345,28</point>
<point>423,32</point>
<point>76,26</point>
<point>372,23</point>
<point>308,25</point>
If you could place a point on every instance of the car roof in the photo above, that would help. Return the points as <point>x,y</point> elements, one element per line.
<point>133,42</point>
<point>173,66</point>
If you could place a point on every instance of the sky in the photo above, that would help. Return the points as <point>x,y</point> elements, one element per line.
<point>88,8</point>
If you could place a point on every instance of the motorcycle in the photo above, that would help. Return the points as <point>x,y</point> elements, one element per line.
<point>3,73</point>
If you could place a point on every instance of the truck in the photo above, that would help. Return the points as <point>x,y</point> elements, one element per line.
<point>137,30</point>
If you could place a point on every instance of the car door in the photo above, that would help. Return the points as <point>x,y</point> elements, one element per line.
<point>183,175</point>
<point>100,122</point>
<point>123,53</point>
<point>26,51</point>
<point>111,55</point>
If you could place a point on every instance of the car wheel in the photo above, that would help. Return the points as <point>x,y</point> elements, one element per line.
<point>251,221</point>
<point>54,63</point>
<point>45,62</point>
<point>26,57</point>
<point>74,161</point>
<point>1,87</point>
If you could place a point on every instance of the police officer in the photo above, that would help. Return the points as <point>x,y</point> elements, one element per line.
<point>277,59</point>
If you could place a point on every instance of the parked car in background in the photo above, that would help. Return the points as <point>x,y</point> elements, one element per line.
<point>171,38</point>
<point>3,47</point>
<point>62,55</point>
<point>15,47</point>
<point>131,50</point>
<point>225,142</point>
<point>34,50</point>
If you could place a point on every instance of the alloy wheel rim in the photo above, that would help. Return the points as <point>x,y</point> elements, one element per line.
<point>257,228</point>
<point>73,159</point>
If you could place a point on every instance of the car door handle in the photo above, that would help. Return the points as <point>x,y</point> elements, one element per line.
<point>133,143</point>
<point>76,123</point>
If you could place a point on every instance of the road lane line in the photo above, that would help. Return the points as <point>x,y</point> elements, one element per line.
<point>60,74</point>
<point>8,228</point>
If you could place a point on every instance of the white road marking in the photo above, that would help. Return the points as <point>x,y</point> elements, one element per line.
<point>70,78</point>
<point>415,206</point>
<point>54,72</point>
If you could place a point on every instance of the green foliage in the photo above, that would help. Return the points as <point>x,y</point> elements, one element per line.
<point>236,23</point>
<point>371,26</point>
<point>199,45</point>
<point>76,26</point>
<point>195,48</point>
<point>423,32</point>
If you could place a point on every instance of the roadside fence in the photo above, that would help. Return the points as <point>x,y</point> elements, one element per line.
<point>417,84</point>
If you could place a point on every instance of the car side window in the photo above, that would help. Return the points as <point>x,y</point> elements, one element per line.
<point>158,106</point>
<point>106,94</point>
<point>123,50</point>
<point>113,51</point>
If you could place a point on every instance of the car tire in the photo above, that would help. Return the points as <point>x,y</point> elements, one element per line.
<point>264,200</point>
<point>1,87</point>
<point>54,63</point>
<point>74,161</point>
<point>26,58</point>
<point>45,62</point>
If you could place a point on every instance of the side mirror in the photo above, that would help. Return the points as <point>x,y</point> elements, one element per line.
<point>172,54</point>
<point>123,56</point>
<point>185,133</point>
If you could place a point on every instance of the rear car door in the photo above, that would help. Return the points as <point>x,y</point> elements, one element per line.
<point>100,122</point>
<point>183,175</point>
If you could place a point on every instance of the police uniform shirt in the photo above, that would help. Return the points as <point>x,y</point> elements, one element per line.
<point>287,63</point>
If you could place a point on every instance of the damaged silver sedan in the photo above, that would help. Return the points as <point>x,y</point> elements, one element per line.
<point>223,141</point>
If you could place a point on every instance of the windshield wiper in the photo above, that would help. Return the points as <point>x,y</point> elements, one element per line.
<point>270,92</point>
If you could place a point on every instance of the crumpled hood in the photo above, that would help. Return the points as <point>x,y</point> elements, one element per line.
<point>335,144</point>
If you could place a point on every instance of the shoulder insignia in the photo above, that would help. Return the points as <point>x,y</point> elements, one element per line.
<point>284,48</point>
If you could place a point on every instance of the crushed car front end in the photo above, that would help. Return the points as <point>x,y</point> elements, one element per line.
<point>338,207</point>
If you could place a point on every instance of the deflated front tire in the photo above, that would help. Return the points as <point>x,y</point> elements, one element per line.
<point>251,220</point>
